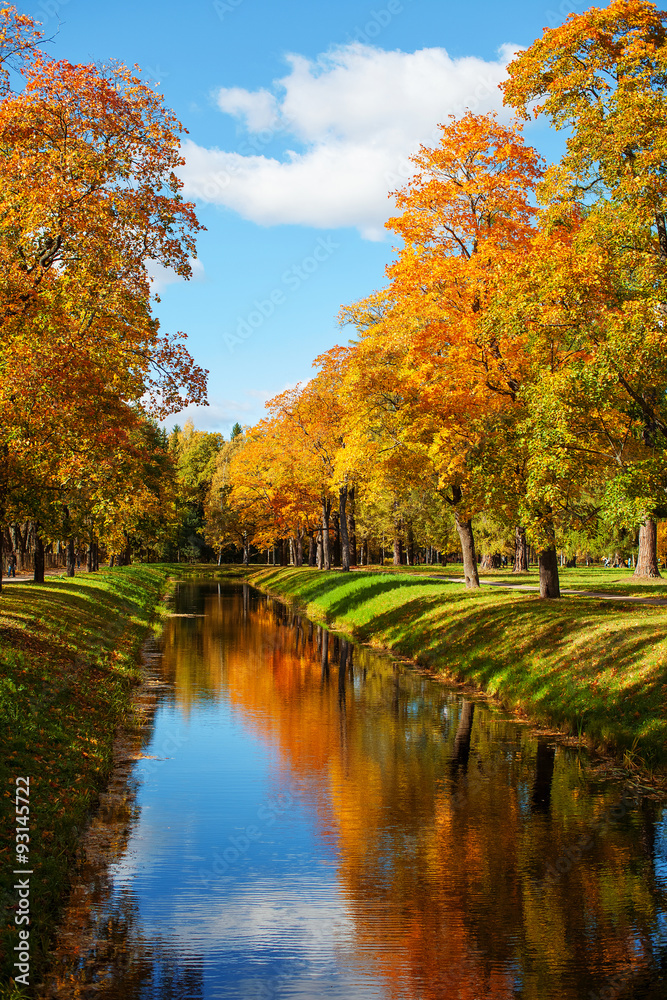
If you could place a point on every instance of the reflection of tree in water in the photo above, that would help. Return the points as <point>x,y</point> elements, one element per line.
<point>438,813</point>
<point>323,644</point>
<point>442,816</point>
<point>123,965</point>
<point>461,752</point>
<point>544,772</point>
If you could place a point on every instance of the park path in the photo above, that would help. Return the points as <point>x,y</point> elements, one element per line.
<point>575,593</point>
<point>25,577</point>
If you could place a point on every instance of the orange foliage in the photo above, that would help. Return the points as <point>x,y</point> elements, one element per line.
<point>90,199</point>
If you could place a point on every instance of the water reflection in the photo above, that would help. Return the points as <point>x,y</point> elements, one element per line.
<point>334,824</point>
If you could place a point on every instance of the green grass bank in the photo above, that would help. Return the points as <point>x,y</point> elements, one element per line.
<point>587,666</point>
<point>69,661</point>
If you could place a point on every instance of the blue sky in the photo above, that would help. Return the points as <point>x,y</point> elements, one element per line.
<point>301,116</point>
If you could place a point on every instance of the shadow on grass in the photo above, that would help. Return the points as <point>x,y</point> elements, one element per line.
<point>64,614</point>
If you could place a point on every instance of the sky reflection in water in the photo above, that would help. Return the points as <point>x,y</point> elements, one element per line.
<point>328,823</point>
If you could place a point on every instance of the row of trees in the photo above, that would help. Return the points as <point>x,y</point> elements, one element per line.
<point>89,205</point>
<point>176,479</point>
<point>513,370</point>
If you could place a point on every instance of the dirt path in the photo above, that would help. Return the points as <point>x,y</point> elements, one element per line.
<point>576,593</point>
<point>26,577</point>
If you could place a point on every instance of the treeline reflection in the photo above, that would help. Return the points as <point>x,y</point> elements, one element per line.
<point>476,859</point>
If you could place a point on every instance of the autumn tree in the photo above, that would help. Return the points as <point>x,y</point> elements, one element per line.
<point>90,198</point>
<point>465,215</point>
<point>311,418</point>
<point>195,454</point>
<point>601,76</point>
<point>228,522</point>
<point>262,491</point>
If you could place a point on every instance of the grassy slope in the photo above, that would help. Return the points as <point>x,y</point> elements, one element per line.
<point>586,665</point>
<point>68,662</point>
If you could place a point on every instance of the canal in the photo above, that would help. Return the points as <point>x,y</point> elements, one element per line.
<point>307,818</point>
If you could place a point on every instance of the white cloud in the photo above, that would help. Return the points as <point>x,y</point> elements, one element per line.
<point>355,115</point>
<point>221,414</point>
<point>259,109</point>
<point>161,277</point>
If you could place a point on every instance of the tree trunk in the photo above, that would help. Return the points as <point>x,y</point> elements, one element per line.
<point>344,537</point>
<point>520,551</point>
<point>299,546</point>
<point>20,543</point>
<point>326,547</point>
<point>467,540</point>
<point>647,560</point>
<point>352,525</point>
<point>71,564</point>
<point>487,561</point>
<point>312,550</point>
<point>548,563</point>
<point>4,500</point>
<point>410,546</point>
<point>127,551</point>
<point>39,557</point>
<point>336,554</point>
<point>246,552</point>
<point>69,548</point>
<point>320,551</point>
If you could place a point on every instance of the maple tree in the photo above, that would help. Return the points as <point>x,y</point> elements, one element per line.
<point>601,76</point>
<point>238,523</point>
<point>255,498</point>
<point>466,214</point>
<point>90,198</point>
<point>19,39</point>
<point>311,417</point>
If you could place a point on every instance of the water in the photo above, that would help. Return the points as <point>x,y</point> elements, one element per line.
<point>310,819</point>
